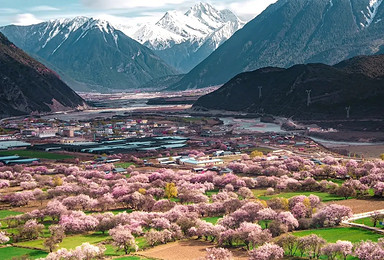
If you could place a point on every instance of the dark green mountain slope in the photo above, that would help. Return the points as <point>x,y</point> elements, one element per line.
<point>357,83</point>
<point>27,86</point>
<point>295,32</point>
<point>90,53</point>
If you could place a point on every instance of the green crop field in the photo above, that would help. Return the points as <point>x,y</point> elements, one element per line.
<point>212,220</point>
<point>72,242</point>
<point>368,222</point>
<point>342,233</point>
<point>16,252</point>
<point>123,164</point>
<point>211,192</point>
<point>69,242</point>
<point>6,213</point>
<point>264,150</point>
<point>322,195</point>
<point>111,251</point>
<point>36,154</point>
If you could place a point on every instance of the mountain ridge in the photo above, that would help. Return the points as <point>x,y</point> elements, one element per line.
<point>185,39</point>
<point>294,32</point>
<point>27,86</point>
<point>356,83</point>
<point>91,52</point>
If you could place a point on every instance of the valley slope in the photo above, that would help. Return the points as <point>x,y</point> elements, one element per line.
<point>295,32</point>
<point>27,86</point>
<point>89,54</point>
<point>357,83</point>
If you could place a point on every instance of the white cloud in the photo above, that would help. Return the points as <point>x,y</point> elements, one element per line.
<point>245,9</point>
<point>127,11</point>
<point>42,8</point>
<point>126,4</point>
<point>249,9</point>
<point>143,18</point>
<point>25,19</point>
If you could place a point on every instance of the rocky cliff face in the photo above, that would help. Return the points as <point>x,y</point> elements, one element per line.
<point>27,86</point>
<point>357,83</point>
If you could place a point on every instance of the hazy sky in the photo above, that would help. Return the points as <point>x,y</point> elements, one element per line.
<point>24,12</point>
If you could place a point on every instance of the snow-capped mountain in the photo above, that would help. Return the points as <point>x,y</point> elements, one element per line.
<point>371,12</point>
<point>89,53</point>
<point>178,37</point>
<point>293,32</point>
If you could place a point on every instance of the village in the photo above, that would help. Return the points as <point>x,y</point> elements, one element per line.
<point>168,182</point>
<point>151,136</point>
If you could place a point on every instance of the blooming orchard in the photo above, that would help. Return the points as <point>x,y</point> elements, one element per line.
<point>167,205</point>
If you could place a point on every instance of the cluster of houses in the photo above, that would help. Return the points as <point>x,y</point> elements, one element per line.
<point>190,161</point>
<point>31,128</point>
<point>197,164</point>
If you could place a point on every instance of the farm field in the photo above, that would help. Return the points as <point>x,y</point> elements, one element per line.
<point>212,220</point>
<point>10,252</point>
<point>7,213</point>
<point>148,212</point>
<point>69,242</point>
<point>188,250</point>
<point>36,154</point>
<point>368,222</point>
<point>123,164</point>
<point>361,205</point>
<point>325,197</point>
<point>341,233</point>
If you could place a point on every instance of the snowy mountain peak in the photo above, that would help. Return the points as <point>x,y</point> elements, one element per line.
<point>102,25</point>
<point>89,53</point>
<point>371,11</point>
<point>59,30</point>
<point>207,13</point>
<point>188,27</point>
<point>175,27</point>
<point>186,37</point>
<point>202,8</point>
<point>73,24</point>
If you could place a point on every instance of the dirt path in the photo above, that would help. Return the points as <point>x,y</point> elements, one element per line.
<point>361,206</point>
<point>186,250</point>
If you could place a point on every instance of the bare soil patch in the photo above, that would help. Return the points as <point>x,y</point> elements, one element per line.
<point>9,190</point>
<point>361,206</point>
<point>186,250</point>
<point>32,205</point>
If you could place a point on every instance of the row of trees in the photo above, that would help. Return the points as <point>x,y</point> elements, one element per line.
<point>296,173</point>
<point>311,246</point>
<point>245,220</point>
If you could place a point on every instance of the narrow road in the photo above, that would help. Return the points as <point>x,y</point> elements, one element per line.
<point>350,220</point>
